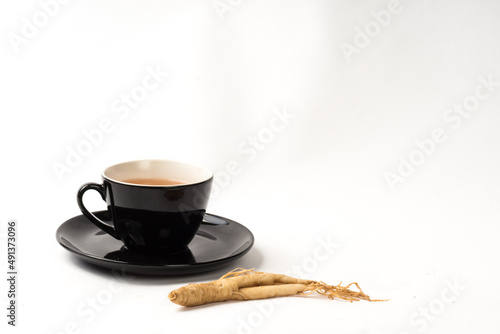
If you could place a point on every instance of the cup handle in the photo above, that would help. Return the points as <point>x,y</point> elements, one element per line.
<point>99,223</point>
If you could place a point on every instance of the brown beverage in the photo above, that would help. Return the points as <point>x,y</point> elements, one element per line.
<point>154,181</point>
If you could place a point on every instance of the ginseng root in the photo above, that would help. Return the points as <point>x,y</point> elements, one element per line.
<point>248,284</point>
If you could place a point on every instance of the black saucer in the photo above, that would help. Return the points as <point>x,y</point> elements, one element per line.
<point>218,241</point>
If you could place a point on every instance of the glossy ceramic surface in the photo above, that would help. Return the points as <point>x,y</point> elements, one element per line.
<point>218,241</point>
<point>152,218</point>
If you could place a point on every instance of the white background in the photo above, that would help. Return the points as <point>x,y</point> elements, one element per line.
<point>358,106</point>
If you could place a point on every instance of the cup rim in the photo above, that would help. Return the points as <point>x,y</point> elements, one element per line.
<point>208,173</point>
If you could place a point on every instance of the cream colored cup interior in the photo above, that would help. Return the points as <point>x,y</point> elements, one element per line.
<point>180,171</point>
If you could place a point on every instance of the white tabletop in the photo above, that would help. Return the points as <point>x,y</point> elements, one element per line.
<point>357,141</point>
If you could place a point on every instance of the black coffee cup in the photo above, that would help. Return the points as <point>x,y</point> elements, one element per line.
<point>156,206</point>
